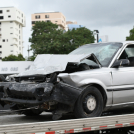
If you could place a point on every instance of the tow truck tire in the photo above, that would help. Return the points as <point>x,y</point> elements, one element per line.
<point>32,112</point>
<point>89,103</point>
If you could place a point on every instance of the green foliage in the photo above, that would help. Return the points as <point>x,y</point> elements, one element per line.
<point>48,39</point>
<point>131,36</point>
<point>77,37</point>
<point>14,58</point>
<point>31,58</point>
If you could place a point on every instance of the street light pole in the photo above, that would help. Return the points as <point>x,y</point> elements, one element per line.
<point>97,32</point>
<point>97,37</point>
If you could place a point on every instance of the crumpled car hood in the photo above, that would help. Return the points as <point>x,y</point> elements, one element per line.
<point>50,63</point>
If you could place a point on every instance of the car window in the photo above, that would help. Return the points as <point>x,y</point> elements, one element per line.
<point>104,52</point>
<point>89,62</point>
<point>128,53</point>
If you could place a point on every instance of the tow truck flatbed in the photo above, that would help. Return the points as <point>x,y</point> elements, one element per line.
<point>22,125</point>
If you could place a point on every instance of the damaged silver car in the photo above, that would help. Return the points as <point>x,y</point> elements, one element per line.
<point>90,80</point>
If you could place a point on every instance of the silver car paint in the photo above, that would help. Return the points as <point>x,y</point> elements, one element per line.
<point>108,78</point>
<point>100,76</point>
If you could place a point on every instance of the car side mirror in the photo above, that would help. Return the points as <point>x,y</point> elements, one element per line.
<point>122,62</point>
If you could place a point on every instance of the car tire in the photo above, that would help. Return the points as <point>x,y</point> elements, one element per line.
<point>89,103</point>
<point>2,78</point>
<point>32,112</point>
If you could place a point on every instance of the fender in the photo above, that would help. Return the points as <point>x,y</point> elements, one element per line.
<point>87,82</point>
<point>82,82</point>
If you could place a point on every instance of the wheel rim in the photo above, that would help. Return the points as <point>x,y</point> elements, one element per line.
<point>89,104</point>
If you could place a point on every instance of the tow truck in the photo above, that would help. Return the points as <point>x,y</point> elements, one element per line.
<point>114,124</point>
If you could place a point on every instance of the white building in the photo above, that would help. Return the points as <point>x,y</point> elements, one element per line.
<point>103,38</point>
<point>11,22</point>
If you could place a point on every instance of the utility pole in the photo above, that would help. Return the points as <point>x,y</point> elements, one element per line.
<point>97,32</point>
<point>28,51</point>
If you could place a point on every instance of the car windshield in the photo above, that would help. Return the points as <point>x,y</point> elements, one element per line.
<point>103,51</point>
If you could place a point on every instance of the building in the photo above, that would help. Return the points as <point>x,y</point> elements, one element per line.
<point>54,17</point>
<point>103,38</point>
<point>12,22</point>
<point>71,22</point>
<point>73,25</point>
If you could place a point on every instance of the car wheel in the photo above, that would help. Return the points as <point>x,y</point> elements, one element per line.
<point>89,103</point>
<point>32,112</point>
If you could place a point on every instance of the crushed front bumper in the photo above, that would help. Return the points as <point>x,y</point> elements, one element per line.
<point>35,94</point>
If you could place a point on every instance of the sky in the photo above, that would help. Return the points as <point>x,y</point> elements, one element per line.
<point>111,17</point>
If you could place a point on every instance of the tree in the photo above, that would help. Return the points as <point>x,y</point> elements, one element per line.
<point>14,58</point>
<point>131,36</point>
<point>78,37</point>
<point>45,38</point>
<point>31,58</point>
<point>48,39</point>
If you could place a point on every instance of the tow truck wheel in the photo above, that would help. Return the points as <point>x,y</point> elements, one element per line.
<point>32,112</point>
<point>89,103</point>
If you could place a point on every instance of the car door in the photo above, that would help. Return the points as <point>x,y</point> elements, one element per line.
<point>123,79</point>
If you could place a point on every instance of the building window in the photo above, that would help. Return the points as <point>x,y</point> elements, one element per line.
<point>11,50</point>
<point>1,58</point>
<point>7,40</point>
<point>0,52</point>
<point>9,16</point>
<point>11,27</point>
<point>0,29</point>
<point>22,15</point>
<point>56,21</point>
<point>0,23</point>
<point>33,22</point>
<point>37,17</point>
<point>8,10</point>
<point>1,17</point>
<point>22,20</point>
<point>20,48</point>
<point>11,45</point>
<point>1,11</point>
<point>46,16</point>
<point>11,21</point>
<point>3,40</point>
<point>0,46</point>
<point>0,34</point>
<point>11,33</point>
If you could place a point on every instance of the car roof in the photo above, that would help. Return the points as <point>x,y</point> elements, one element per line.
<point>128,42</point>
<point>123,42</point>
